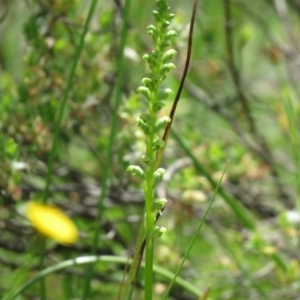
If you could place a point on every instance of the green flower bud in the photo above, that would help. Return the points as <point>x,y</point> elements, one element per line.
<point>158,105</point>
<point>161,123</point>
<point>161,231</point>
<point>154,232</point>
<point>146,159</point>
<point>152,27</point>
<point>158,176</point>
<point>144,126</point>
<point>157,144</point>
<point>166,23</point>
<point>136,170</point>
<point>168,55</point>
<point>163,95</point>
<point>146,57</point>
<point>144,91</point>
<point>152,30</point>
<point>146,118</point>
<point>154,58</point>
<point>166,68</point>
<point>164,45</point>
<point>156,15</point>
<point>158,205</point>
<point>147,82</point>
<point>170,34</point>
<point>157,232</point>
<point>162,5</point>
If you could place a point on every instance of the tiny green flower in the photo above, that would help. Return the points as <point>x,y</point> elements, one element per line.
<point>143,125</point>
<point>158,105</point>
<point>168,55</point>
<point>158,205</point>
<point>157,232</point>
<point>161,123</point>
<point>136,170</point>
<point>144,91</point>
<point>166,68</point>
<point>158,176</point>
<point>157,144</point>
<point>164,94</point>
<point>147,82</point>
<point>146,159</point>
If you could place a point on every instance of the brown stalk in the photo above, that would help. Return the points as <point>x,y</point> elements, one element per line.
<point>176,100</point>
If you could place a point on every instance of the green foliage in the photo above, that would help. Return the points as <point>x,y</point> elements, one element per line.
<point>239,103</point>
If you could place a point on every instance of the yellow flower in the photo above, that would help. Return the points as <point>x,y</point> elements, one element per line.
<point>51,222</point>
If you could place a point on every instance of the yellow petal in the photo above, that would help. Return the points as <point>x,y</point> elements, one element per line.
<point>51,222</point>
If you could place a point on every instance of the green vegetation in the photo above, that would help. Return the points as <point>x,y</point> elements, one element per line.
<point>73,121</point>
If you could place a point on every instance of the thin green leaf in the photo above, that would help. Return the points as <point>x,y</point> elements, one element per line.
<point>195,236</point>
<point>93,260</point>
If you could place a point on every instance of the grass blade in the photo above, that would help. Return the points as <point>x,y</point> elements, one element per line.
<point>194,236</point>
<point>98,259</point>
<point>240,211</point>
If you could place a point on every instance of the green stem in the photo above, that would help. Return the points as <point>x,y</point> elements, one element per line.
<point>149,268</point>
<point>149,198</point>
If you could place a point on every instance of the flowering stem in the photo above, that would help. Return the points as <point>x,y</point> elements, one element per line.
<point>159,62</point>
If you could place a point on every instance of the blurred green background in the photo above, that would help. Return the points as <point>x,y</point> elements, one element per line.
<point>244,76</point>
